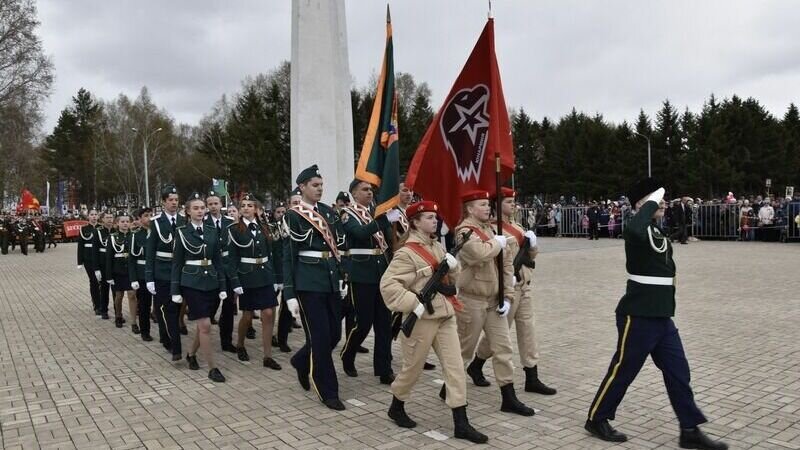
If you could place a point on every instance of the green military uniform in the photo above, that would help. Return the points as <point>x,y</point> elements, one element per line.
<point>251,257</point>
<point>137,242</point>
<point>117,259</point>
<point>197,261</point>
<point>100,248</point>
<point>87,259</point>
<point>4,231</point>
<point>221,225</point>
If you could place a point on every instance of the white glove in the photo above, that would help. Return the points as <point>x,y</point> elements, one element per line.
<point>531,237</point>
<point>393,215</point>
<point>151,287</point>
<point>177,299</point>
<point>342,289</point>
<point>277,287</point>
<point>514,281</point>
<point>501,240</point>
<point>98,275</point>
<point>452,262</point>
<point>238,290</point>
<point>656,196</point>
<point>80,266</point>
<point>110,282</point>
<point>419,310</point>
<point>294,307</point>
<point>135,285</point>
<point>223,295</point>
<point>504,308</point>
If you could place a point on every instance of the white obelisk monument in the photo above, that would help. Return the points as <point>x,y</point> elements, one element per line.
<point>321,112</point>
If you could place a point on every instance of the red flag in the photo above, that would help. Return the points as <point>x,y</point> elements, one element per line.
<point>457,153</point>
<point>27,201</point>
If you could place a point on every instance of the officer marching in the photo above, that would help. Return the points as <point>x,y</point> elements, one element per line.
<point>285,321</point>
<point>645,327</point>
<point>117,262</point>
<point>367,261</point>
<point>413,264</point>
<point>478,287</point>
<point>220,222</point>
<point>136,268</point>
<point>198,279</point>
<point>158,269</point>
<point>87,258</point>
<point>101,237</point>
<point>313,285</point>
<point>522,314</point>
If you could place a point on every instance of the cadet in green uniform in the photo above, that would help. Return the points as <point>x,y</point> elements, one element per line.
<point>158,269</point>
<point>367,261</point>
<point>285,320</point>
<point>136,263</point>
<point>117,260</point>
<point>104,230</point>
<point>87,259</point>
<point>313,285</point>
<point>221,222</point>
<point>645,327</point>
<point>198,277</point>
<point>251,260</point>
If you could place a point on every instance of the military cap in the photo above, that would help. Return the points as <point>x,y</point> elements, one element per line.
<point>195,196</point>
<point>354,184</point>
<point>308,174</point>
<point>280,205</point>
<point>167,190</point>
<point>296,191</point>
<point>474,195</point>
<point>213,193</point>
<point>141,211</point>
<point>641,188</point>
<point>122,213</point>
<point>344,196</point>
<point>247,196</point>
<point>421,207</point>
<point>507,192</point>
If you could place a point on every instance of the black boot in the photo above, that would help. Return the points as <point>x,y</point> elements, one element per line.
<point>695,438</point>
<point>603,430</point>
<point>512,404</point>
<point>475,371</point>
<point>533,384</point>
<point>397,412</point>
<point>463,430</point>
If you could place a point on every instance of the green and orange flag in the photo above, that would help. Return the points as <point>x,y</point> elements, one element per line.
<point>379,162</point>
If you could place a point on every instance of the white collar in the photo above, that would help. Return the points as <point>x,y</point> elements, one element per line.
<point>248,222</point>
<point>169,217</point>
<point>196,226</point>
<point>314,206</point>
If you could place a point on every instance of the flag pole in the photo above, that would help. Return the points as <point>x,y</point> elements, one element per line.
<point>499,215</point>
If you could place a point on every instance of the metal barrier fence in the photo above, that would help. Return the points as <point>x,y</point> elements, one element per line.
<point>568,221</point>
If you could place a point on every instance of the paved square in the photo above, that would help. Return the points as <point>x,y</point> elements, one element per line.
<point>69,380</point>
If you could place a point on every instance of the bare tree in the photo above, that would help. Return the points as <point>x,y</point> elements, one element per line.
<point>24,69</point>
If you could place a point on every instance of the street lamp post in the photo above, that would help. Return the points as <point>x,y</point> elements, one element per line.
<point>146,178</point>
<point>649,173</point>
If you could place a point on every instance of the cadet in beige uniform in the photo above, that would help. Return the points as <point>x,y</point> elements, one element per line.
<point>412,266</point>
<point>522,312</point>
<point>478,287</point>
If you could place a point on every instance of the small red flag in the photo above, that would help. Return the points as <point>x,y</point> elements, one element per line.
<point>457,153</point>
<point>27,201</point>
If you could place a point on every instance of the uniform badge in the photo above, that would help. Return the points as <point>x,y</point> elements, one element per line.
<point>345,217</point>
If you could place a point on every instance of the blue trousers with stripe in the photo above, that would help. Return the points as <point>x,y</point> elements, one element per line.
<point>640,337</point>
<point>319,312</point>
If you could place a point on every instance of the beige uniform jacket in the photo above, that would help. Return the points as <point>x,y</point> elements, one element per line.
<point>478,276</point>
<point>407,275</point>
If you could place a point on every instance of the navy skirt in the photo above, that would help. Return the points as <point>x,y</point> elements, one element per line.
<point>256,299</point>
<point>121,283</point>
<point>199,304</point>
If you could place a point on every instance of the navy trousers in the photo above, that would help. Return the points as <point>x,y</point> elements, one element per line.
<point>168,317</point>
<point>144,303</point>
<point>319,312</point>
<point>94,288</point>
<point>226,316</point>
<point>371,312</point>
<point>285,322</point>
<point>640,337</point>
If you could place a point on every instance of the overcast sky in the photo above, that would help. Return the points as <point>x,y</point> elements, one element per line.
<point>611,57</point>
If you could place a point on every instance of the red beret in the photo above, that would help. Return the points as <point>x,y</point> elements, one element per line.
<point>507,192</point>
<point>421,207</point>
<point>474,195</point>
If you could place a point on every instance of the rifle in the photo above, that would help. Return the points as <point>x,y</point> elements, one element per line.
<point>433,286</point>
<point>523,258</point>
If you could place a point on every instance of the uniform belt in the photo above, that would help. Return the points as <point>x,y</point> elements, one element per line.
<point>225,253</point>
<point>102,250</point>
<point>254,260</point>
<point>120,255</point>
<point>364,251</point>
<point>141,262</point>
<point>659,281</point>
<point>164,254</point>
<point>198,262</point>
<point>87,245</point>
<point>315,254</point>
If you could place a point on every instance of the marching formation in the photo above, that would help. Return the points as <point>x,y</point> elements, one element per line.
<point>390,274</point>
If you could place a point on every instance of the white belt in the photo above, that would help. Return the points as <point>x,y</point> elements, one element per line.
<point>659,281</point>
<point>315,254</point>
<point>225,253</point>
<point>254,260</point>
<point>141,262</point>
<point>102,250</point>
<point>164,254</point>
<point>365,251</point>
<point>198,262</point>
<point>87,245</point>
<point>120,255</point>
